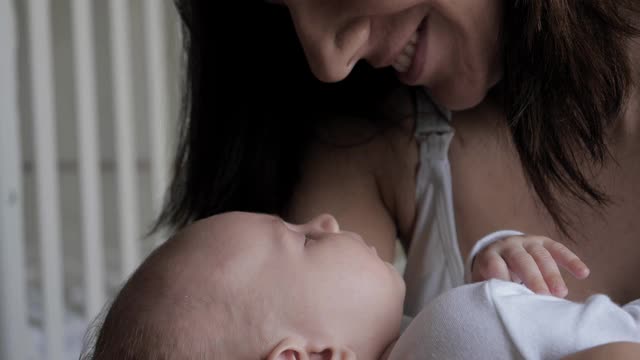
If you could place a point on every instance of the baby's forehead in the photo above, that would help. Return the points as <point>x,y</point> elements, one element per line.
<point>229,241</point>
<point>231,229</point>
<point>221,261</point>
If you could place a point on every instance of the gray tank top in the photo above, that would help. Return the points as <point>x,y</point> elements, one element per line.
<point>434,263</point>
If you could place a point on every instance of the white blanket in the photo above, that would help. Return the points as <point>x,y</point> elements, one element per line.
<point>504,320</point>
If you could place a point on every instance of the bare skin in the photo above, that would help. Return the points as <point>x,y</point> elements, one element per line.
<point>250,286</point>
<point>366,187</point>
<point>611,351</point>
<point>607,241</point>
<point>371,190</point>
<point>385,205</point>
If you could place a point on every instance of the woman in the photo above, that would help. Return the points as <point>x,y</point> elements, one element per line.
<point>568,76</point>
<point>546,120</point>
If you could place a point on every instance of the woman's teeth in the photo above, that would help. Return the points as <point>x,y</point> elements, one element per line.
<point>402,63</point>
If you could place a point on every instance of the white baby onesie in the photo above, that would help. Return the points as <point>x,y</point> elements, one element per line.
<point>503,320</point>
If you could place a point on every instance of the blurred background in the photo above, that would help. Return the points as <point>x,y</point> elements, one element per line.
<point>90,99</point>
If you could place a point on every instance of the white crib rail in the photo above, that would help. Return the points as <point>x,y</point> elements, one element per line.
<point>155,35</point>
<point>123,104</point>
<point>41,95</point>
<point>89,160</point>
<point>13,310</point>
<point>47,188</point>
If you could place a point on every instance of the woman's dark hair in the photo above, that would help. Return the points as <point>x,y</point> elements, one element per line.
<point>567,76</point>
<point>249,109</point>
<point>251,101</point>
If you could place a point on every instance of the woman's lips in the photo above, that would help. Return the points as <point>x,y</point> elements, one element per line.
<point>410,63</point>
<point>403,61</point>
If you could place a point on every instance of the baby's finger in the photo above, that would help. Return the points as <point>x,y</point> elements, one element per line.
<point>490,265</point>
<point>567,259</point>
<point>523,264</point>
<point>549,270</point>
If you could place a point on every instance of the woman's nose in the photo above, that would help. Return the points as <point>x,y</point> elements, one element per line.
<point>331,48</point>
<point>324,223</point>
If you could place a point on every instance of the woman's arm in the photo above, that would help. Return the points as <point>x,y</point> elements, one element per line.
<point>611,351</point>
<point>369,188</point>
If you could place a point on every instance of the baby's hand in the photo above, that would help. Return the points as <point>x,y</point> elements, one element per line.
<point>531,259</point>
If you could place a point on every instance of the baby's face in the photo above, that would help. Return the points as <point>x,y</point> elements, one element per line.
<point>310,278</point>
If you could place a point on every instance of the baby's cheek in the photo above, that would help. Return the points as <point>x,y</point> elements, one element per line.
<point>392,292</point>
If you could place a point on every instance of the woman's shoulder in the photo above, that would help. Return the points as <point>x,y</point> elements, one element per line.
<point>388,155</point>
<point>489,184</point>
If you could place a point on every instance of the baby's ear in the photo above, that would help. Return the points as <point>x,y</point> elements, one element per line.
<point>288,354</point>
<point>296,349</point>
<point>289,349</point>
<point>333,354</point>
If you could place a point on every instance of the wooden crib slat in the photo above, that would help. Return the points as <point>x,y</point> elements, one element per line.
<point>47,188</point>
<point>88,156</point>
<point>14,340</point>
<point>158,96</point>
<point>125,151</point>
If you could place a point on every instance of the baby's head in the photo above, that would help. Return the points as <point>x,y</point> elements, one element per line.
<point>250,286</point>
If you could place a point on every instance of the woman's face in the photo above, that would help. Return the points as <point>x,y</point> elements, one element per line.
<point>450,46</point>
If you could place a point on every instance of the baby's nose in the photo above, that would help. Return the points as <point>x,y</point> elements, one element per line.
<point>325,222</point>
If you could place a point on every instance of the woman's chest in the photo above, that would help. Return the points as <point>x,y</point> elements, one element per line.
<point>608,239</point>
<point>490,193</point>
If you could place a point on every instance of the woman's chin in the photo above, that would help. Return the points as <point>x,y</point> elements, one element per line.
<point>458,98</point>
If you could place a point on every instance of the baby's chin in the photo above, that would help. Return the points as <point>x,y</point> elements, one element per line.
<point>400,287</point>
<point>393,325</point>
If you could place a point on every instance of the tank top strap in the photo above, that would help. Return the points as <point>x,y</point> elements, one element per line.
<point>433,127</point>
<point>434,264</point>
<point>431,118</point>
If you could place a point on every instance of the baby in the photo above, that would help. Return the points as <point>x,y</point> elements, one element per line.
<point>251,286</point>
